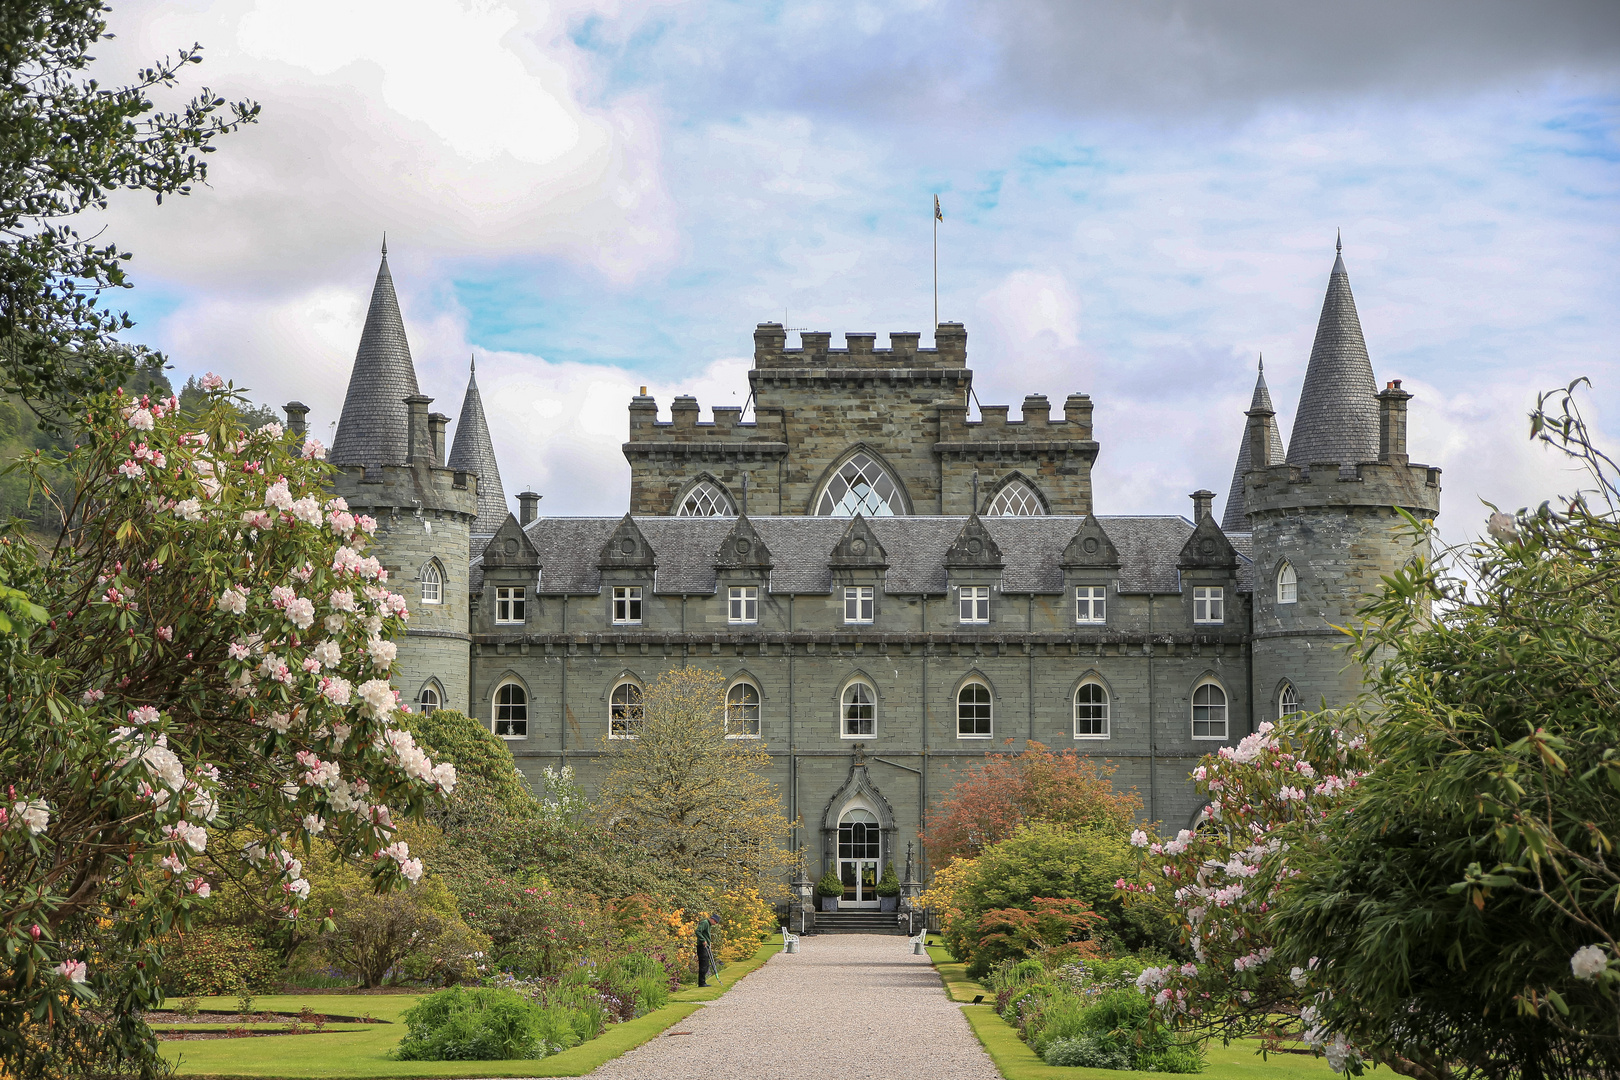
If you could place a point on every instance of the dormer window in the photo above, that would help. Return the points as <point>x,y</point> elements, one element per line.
<point>1287,585</point>
<point>509,604</point>
<point>627,605</point>
<point>974,603</point>
<point>1091,604</point>
<point>742,604</point>
<point>858,603</point>
<point>1209,604</point>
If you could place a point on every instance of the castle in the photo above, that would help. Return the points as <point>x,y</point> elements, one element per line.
<point>891,590</point>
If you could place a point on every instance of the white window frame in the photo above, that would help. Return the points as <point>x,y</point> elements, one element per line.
<point>1107,711</point>
<point>1209,605</point>
<point>1287,584</point>
<point>1284,692</point>
<point>745,685</point>
<point>973,605</point>
<point>860,604</point>
<point>495,718</point>
<point>627,605</point>
<point>511,604</point>
<point>1225,708</point>
<point>742,605</point>
<point>421,698</point>
<point>989,704</point>
<point>432,583</point>
<point>1090,605</point>
<point>625,718</point>
<point>844,704</point>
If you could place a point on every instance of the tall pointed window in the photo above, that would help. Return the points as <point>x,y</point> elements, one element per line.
<point>860,486</point>
<point>705,500</point>
<point>432,583</point>
<point>511,719</point>
<point>1015,499</point>
<point>973,711</point>
<point>860,710</point>
<point>742,711</point>
<point>625,712</point>
<point>1287,700</point>
<point>1209,712</point>
<point>1287,585</point>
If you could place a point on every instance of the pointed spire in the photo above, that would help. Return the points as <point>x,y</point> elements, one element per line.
<point>374,426</point>
<point>1337,419</point>
<point>1235,517</point>
<point>473,452</point>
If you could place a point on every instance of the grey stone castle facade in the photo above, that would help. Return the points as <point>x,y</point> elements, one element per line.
<point>890,590</point>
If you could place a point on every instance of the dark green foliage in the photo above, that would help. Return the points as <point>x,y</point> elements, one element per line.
<point>889,883</point>
<point>1090,1014</point>
<point>482,760</point>
<point>218,960</point>
<point>1447,898</point>
<point>829,885</point>
<point>1088,1051</point>
<point>483,1025</point>
<point>193,401</point>
<point>67,144</point>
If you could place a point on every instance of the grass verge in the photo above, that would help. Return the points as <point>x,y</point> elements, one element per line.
<point>1016,1061</point>
<point>958,987</point>
<point>360,1052</point>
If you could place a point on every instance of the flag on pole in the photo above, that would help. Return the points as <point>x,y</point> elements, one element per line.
<point>939,215</point>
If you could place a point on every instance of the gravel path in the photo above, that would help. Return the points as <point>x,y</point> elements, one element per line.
<point>846,1005</point>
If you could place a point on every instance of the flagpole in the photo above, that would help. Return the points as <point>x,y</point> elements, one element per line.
<point>936,269</point>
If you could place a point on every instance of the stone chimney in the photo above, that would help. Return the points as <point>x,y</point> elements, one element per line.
<point>437,422</point>
<point>1392,424</point>
<point>297,414</point>
<point>1203,504</point>
<point>419,445</point>
<point>528,506</point>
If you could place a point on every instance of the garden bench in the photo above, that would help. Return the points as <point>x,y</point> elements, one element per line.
<point>790,941</point>
<point>919,939</point>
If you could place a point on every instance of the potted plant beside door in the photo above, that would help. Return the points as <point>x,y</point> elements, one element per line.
<point>829,888</point>
<point>888,890</point>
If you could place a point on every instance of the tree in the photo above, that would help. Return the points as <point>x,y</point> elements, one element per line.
<point>68,143</point>
<point>202,650</point>
<point>1465,909</point>
<point>692,800</point>
<point>416,932</point>
<point>987,805</point>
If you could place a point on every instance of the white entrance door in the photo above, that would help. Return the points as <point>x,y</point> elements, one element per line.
<point>859,848</point>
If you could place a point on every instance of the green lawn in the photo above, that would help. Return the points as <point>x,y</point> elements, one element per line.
<point>1016,1061</point>
<point>360,1051</point>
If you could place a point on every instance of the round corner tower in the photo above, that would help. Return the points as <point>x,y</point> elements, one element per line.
<point>390,456</point>
<point>1327,523</point>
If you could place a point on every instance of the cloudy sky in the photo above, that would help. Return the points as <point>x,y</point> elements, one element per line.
<point>1140,198</point>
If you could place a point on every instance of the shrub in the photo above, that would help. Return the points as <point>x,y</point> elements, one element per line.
<point>217,960</point>
<point>889,883</point>
<point>484,1025</point>
<point>746,920</point>
<point>1087,1051</point>
<point>829,885</point>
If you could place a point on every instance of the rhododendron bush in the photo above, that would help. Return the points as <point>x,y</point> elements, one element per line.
<point>202,652</point>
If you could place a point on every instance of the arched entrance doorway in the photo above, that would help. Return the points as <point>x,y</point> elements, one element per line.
<point>860,848</point>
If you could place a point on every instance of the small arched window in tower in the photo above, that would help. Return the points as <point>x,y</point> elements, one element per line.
<point>860,711</point>
<point>973,711</point>
<point>429,699</point>
<point>705,500</point>
<point>1091,711</point>
<point>625,712</point>
<point>511,711</point>
<point>1287,700</point>
<point>860,486</point>
<point>742,711</point>
<point>432,583</point>
<point>1209,711</point>
<point>1287,585</point>
<point>1015,499</point>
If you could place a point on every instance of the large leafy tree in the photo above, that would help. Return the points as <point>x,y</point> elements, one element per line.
<point>66,143</point>
<point>693,801</point>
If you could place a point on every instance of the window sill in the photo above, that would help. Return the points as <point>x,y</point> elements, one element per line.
<point>510,622</point>
<point>627,622</point>
<point>742,736</point>
<point>512,738</point>
<point>1094,738</point>
<point>1209,738</point>
<point>1209,622</point>
<point>847,735</point>
<point>1091,622</point>
<point>959,735</point>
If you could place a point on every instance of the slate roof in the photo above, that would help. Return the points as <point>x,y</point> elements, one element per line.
<point>1032,548</point>
<point>374,427</point>
<point>1235,518</point>
<point>473,452</point>
<point>1337,418</point>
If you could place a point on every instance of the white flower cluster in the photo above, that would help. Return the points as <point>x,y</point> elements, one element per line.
<point>400,852</point>
<point>31,814</point>
<point>1589,962</point>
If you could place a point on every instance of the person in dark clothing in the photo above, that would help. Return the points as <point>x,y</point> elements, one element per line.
<point>705,947</point>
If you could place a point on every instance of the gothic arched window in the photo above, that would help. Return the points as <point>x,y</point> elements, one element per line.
<point>432,583</point>
<point>861,486</point>
<point>860,710</point>
<point>511,719</point>
<point>1015,499</point>
<point>625,712</point>
<point>1287,585</point>
<point>742,711</point>
<point>705,500</point>
<point>1209,711</point>
<point>1091,711</point>
<point>429,698</point>
<point>1287,700</point>
<point>973,711</point>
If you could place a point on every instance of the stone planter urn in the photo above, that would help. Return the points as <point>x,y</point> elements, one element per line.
<point>888,903</point>
<point>829,903</point>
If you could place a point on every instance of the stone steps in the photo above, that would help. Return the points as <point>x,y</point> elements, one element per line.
<point>858,922</point>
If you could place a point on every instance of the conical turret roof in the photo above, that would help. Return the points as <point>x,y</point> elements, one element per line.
<point>473,452</point>
<point>375,427</point>
<point>1337,418</point>
<point>1236,517</point>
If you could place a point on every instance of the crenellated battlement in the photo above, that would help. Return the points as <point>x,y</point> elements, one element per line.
<point>860,352</point>
<point>386,490</point>
<point>1036,425</point>
<point>684,426</point>
<point>1373,484</point>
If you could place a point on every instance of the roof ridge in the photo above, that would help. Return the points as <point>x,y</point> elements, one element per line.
<point>374,428</point>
